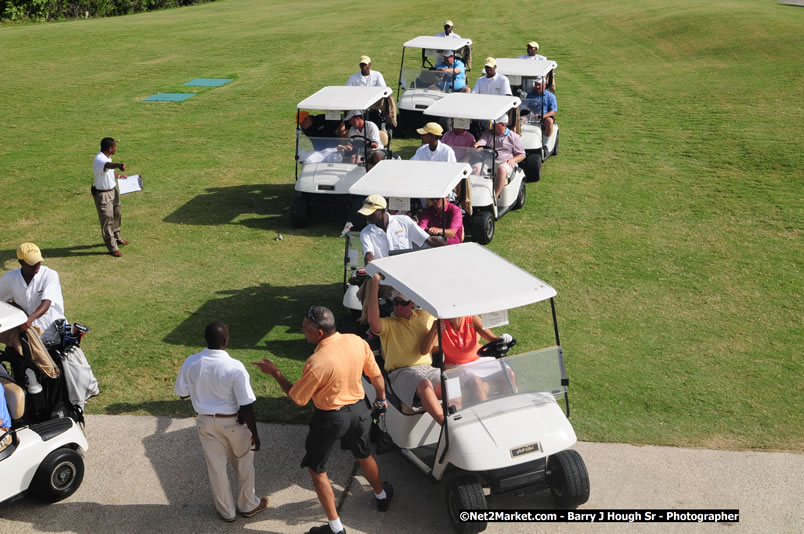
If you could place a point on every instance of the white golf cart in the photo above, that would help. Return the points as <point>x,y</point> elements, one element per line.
<point>513,436</point>
<point>521,74</point>
<point>44,459</point>
<point>399,181</point>
<point>486,208</point>
<point>421,85</point>
<point>327,166</point>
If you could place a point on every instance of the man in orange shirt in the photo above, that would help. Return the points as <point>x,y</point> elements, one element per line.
<point>332,379</point>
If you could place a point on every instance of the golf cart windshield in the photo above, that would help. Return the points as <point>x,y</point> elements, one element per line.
<point>433,80</point>
<point>479,159</point>
<point>538,373</point>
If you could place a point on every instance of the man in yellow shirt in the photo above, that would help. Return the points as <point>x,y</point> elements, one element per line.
<point>332,379</point>
<point>410,371</point>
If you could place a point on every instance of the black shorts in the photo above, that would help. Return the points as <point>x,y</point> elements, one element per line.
<point>350,425</point>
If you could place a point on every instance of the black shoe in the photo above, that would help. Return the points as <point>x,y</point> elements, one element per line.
<point>384,504</point>
<point>324,529</point>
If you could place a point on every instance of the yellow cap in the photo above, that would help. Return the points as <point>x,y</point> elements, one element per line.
<point>431,128</point>
<point>490,62</point>
<point>448,23</point>
<point>365,59</point>
<point>533,44</point>
<point>372,203</point>
<point>29,253</point>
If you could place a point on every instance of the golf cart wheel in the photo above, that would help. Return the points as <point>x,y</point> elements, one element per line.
<point>299,212</point>
<point>568,479</point>
<point>532,165</point>
<point>520,198</point>
<point>464,492</point>
<point>59,475</point>
<point>483,227</point>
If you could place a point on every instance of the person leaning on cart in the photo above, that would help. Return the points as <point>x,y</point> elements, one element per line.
<point>332,379</point>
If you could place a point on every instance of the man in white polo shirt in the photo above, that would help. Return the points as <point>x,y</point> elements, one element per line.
<point>366,77</point>
<point>219,388</point>
<point>37,290</point>
<point>533,48</point>
<point>107,198</point>
<point>386,232</point>
<point>492,83</point>
<point>448,26</point>
<point>432,148</point>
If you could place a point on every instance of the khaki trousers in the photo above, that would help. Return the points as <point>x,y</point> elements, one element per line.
<point>222,439</point>
<point>109,214</point>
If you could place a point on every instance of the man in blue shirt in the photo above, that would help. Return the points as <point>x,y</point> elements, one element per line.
<point>457,71</point>
<point>549,106</point>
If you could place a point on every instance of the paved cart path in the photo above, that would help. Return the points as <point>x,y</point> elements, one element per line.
<point>148,474</point>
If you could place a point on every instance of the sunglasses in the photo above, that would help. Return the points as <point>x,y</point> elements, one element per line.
<point>400,302</point>
<point>311,318</point>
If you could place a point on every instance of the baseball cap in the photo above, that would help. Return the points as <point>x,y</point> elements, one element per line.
<point>29,253</point>
<point>490,62</point>
<point>503,118</point>
<point>372,203</point>
<point>431,128</point>
<point>448,53</point>
<point>365,59</point>
<point>354,113</point>
<point>448,23</point>
<point>533,44</point>
<point>302,115</point>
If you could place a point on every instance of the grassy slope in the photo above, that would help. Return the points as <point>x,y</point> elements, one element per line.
<point>670,224</point>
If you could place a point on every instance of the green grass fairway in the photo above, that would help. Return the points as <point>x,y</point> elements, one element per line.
<point>670,224</point>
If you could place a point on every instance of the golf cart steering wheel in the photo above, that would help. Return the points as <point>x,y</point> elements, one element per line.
<point>498,348</point>
<point>494,150</point>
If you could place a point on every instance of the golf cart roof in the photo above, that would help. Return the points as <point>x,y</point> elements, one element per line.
<point>10,316</point>
<point>529,68</point>
<point>470,280</point>
<point>344,98</point>
<point>437,43</point>
<point>411,179</point>
<point>472,106</point>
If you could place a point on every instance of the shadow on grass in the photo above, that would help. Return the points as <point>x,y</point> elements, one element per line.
<point>253,312</point>
<point>262,207</point>
<point>98,249</point>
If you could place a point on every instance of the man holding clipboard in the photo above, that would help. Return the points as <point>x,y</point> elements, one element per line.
<point>107,198</point>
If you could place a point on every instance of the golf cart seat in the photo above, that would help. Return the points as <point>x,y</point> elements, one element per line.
<point>15,398</point>
<point>384,138</point>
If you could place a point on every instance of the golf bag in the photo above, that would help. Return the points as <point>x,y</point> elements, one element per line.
<point>57,380</point>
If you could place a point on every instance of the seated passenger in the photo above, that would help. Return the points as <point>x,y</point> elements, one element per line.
<point>459,343</point>
<point>317,125</point>
<point>456,81</point>
<point>363,128</point>
<point>410,370</point>
<point>458,138</point>
<point>385,232</point>
<point>542,101</point>
<point>436,223</point>
<point>510,151</point>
